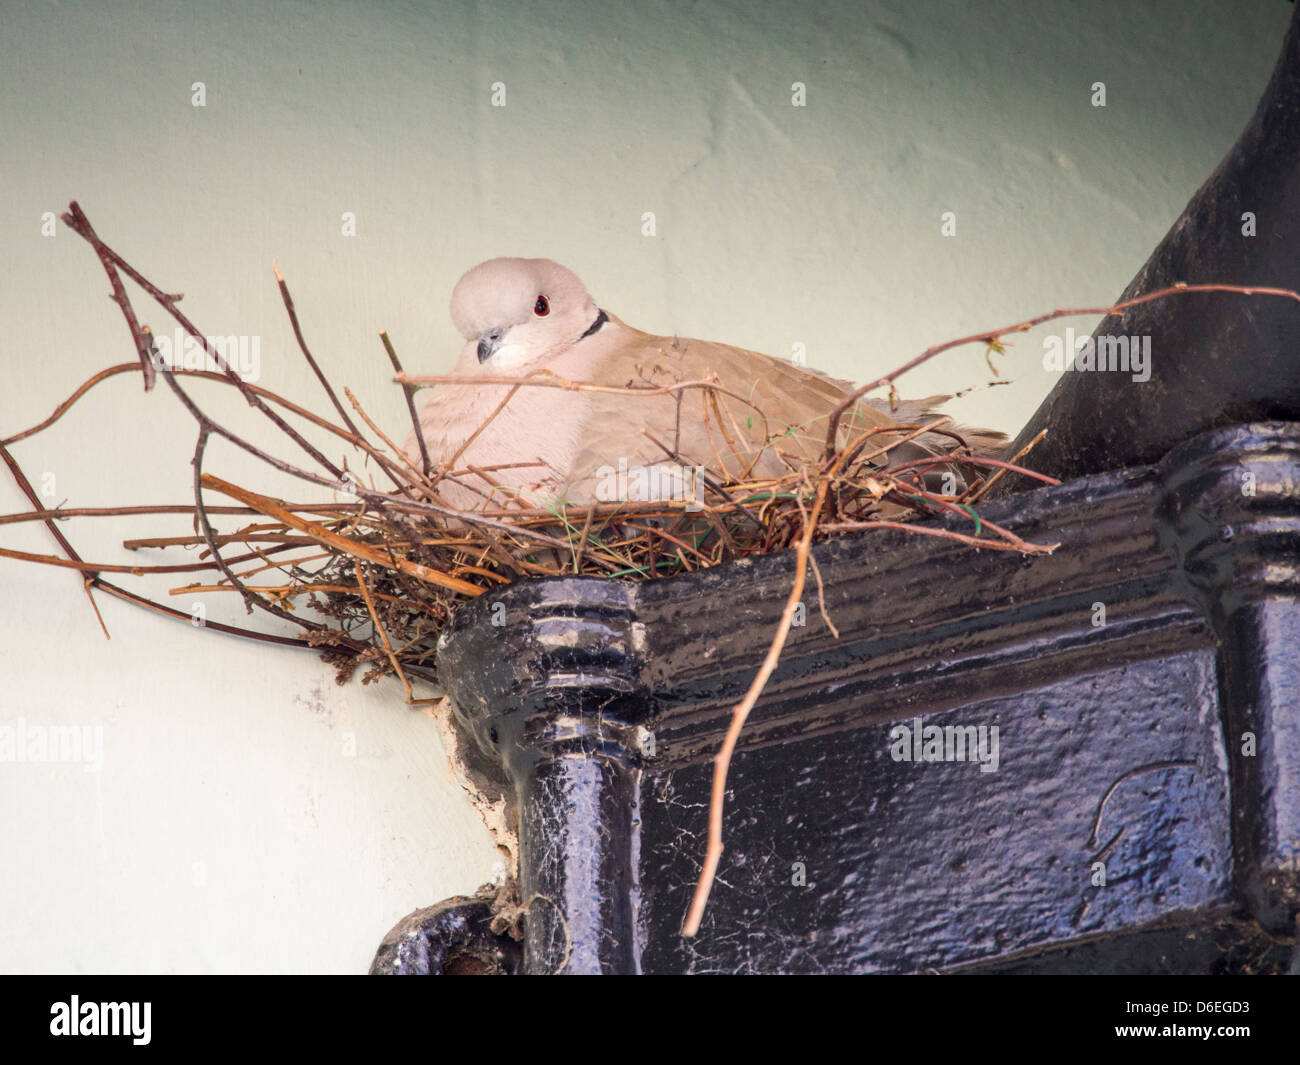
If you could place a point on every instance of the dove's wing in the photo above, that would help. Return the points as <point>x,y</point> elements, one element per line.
<point>764,416</point>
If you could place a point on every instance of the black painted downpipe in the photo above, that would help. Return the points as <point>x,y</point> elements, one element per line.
<point>1217,359</point>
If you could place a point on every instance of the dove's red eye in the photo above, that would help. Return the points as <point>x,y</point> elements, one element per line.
<point>541,308</point>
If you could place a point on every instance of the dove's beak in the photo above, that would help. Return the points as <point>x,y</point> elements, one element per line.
<point>489,341</point>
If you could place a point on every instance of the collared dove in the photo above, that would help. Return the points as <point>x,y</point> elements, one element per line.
<point>519,316</point>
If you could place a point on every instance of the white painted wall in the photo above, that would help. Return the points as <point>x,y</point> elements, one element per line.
<point>228,830</point>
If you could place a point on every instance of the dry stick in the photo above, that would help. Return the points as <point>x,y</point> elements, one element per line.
<point>549,379</point>
<point>946,534</point>
<point>89,575</point>
<point>274,508</point>
<point>582,541</point>
<point>1010,465</point>
<point>742,710</point>
<point>100,567</point>
<point>445,468</point>
<point>468,517</point>
<point>281,591</point>
<point>210,534</point>
<point>294,563</point>
<point>181,615</point>
<point>970,460</point>
<point>224,540</point>
<point>59,513</point>
<point>950,459</point>
<point>494,548</point>
<point>665,535</point>
<point>210,426</point>
<point>738,717</point>
<point>62,408</point>
<point>853,455</point>
<point>306,352</point>
<point>664,508</point>
<point>486,574</point>
<point>78,563</point>
<point>710,399</point>
<point>80,224</point>
<point>1001,465</point>
<point>112,262</point>
<point>210,375</point>
<point>95,582</point>
<point>1028,324</point>
<point>264,553</point>
<point>246,575</point>
<point>409,391</point>
<point>237,560</point>
<point>388,647</point>
<point>821,597</point>
<point>960,510</point>
<point>370,424</point>
<point>740,714</point>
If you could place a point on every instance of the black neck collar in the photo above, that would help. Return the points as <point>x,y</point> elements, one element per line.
<point>601,319</point>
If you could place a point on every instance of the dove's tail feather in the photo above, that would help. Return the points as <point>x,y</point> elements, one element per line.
<point>988,442</point>
<point>910,410</point>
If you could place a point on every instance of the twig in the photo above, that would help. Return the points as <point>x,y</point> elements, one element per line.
<point>1010,465</point>
<point>94,581</point>
<point>306,352</point>
<point>210,535</point>
<point>274,508</point>
<point>549,379</point>
<point>739,715</point>
<point>181,615</point>
<point>112,262</point>
<point>445,468</point>
<point>408,391</point>
<point>90,575</point>
<point>1022,546</point>
<point>1028,324</point>
<point>60,513</point>
<point>383,636</point>
<point>80,224</point>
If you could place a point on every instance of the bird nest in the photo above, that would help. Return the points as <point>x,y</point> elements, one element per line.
<point>370,581</point>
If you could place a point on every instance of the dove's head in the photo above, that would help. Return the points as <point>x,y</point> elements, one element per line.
<point>518,314</point>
